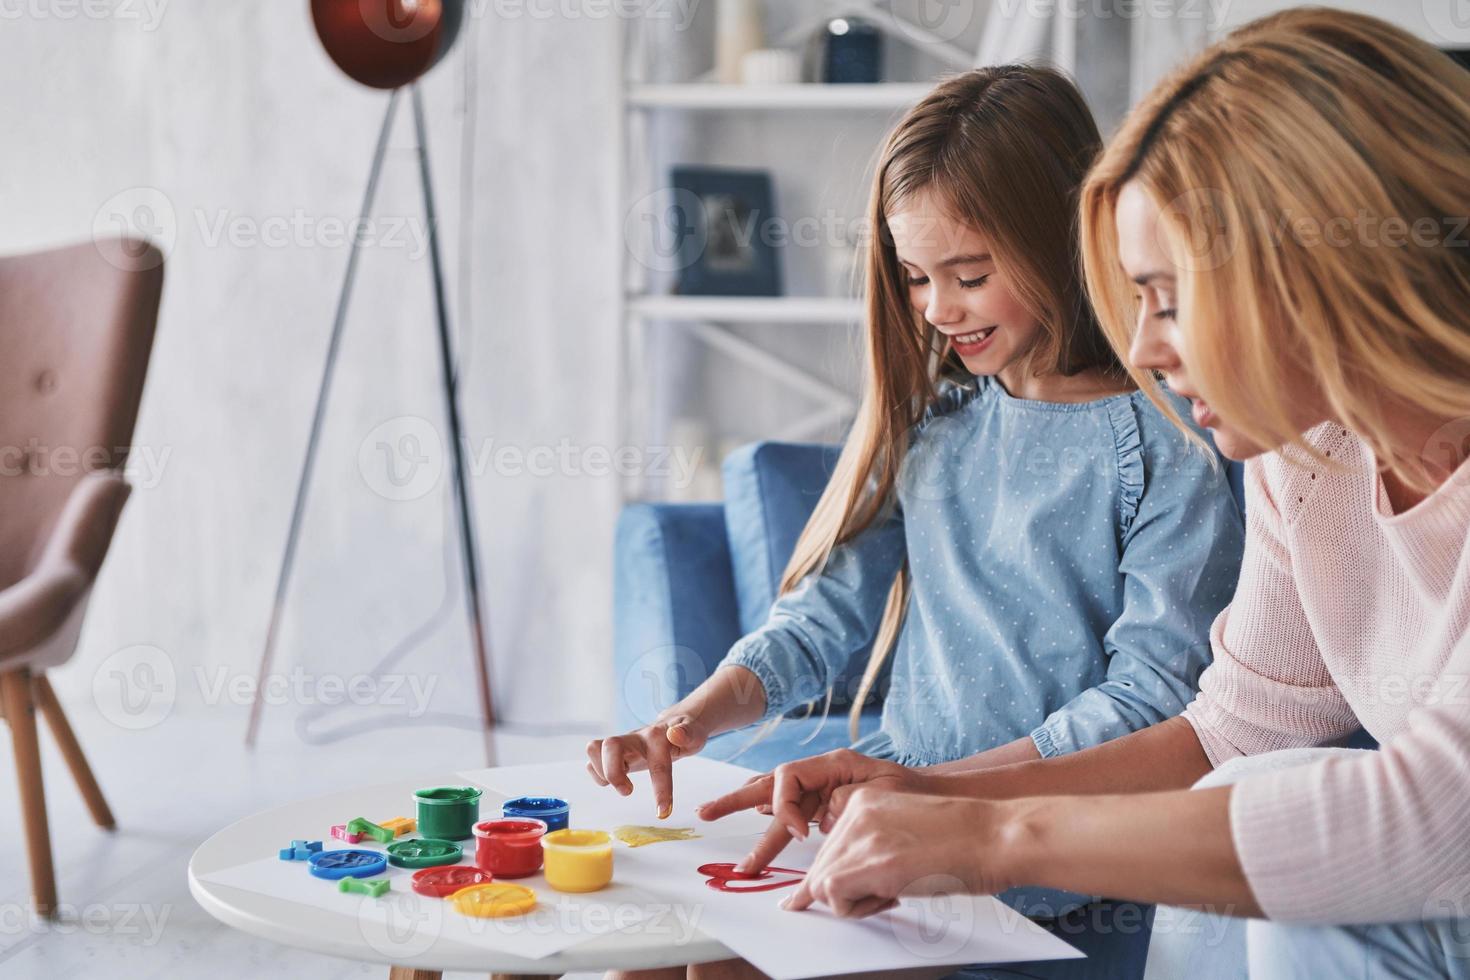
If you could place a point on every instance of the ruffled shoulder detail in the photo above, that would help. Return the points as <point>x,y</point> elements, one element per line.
<point>1129,443</point>
<point>954,394</point>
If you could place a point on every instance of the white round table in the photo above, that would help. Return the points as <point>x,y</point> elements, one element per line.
<point>322,931</point>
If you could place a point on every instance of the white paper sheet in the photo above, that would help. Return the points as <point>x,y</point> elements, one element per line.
<point>659,887</point>
<point>946,930</point>
<point>412,922</point>
<point>696,780</point>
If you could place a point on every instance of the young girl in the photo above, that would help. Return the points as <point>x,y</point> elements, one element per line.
<point>1336,358</point>
<point>1040,549</point>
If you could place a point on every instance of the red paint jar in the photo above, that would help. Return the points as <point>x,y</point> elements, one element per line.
<point>510,847</point>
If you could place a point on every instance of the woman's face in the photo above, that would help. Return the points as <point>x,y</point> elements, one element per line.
<point>954,284</point>
<point>1159,344</point>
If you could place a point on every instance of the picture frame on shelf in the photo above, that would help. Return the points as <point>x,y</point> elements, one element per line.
<point>725,232</point>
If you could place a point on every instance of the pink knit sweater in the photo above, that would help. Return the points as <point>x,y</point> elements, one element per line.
<point>1347,614</point>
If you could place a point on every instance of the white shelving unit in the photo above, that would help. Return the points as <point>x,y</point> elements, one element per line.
<point>723,323</point>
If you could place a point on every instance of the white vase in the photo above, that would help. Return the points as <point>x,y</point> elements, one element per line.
<point>738,31</point>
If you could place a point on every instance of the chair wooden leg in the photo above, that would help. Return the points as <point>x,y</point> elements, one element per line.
<point>71,751</point>
<point>20,712</point>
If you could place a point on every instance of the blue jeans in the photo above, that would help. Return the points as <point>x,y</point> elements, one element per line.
<point>1202,946</point>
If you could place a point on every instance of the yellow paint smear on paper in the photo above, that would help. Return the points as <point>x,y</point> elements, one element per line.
<point>638,836</point>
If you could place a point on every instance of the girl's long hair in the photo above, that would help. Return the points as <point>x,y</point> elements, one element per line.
<point>1003,150</point>
<point>1295,165</point>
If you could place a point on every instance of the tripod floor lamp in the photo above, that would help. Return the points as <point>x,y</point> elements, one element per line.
<point>390,44</point>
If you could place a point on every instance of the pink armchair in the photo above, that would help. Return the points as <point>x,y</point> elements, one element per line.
<point>76,329</point>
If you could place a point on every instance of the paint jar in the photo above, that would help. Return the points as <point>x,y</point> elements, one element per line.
<point>509,848</point>
<point>578,860</point>
<point>448,812</point>
<point>548,809</point>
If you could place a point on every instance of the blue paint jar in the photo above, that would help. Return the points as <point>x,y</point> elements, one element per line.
<point>549,809</point>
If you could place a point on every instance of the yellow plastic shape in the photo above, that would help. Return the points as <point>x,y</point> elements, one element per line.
<point>493,900</point>
<point>578,860</point>
<point>400,825</point>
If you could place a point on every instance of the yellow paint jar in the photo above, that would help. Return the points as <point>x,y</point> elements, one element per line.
<point>578,860</point>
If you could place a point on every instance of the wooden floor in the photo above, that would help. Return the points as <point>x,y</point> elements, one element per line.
<point>127,912</point>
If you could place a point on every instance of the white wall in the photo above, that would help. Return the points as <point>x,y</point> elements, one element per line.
<point>231,112</point>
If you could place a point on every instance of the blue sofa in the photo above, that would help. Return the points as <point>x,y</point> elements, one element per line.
<point>691,579</point>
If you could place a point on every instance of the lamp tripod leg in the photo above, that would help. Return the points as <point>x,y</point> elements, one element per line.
<point>303,485</point>
<point>465,514</point>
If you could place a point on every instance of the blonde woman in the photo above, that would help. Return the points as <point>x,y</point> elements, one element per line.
<point>1274,231</point>
<point>1040,549</point>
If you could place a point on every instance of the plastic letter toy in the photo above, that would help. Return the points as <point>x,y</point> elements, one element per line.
<point>333,865</point>
<point>445,881</point>
<point>340,831</point>
<point>400,825</point>
<point>372,889</point>
<point>365,827</point>
<point>493,901</point>
<point>423,852</point>
<point>301,850</point>
<point>578,860</point>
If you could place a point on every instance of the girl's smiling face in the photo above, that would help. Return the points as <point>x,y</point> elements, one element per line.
<point>953,282</point>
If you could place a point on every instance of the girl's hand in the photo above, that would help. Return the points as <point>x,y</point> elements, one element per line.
<point>653,747</point>
<point>808,789</point>
<point>885,845</point>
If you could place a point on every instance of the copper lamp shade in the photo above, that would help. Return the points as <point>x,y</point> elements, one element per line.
<point>387,43</point>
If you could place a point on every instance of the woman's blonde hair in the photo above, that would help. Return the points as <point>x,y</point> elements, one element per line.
<point>1312,172</point>
<point>1004,150</point>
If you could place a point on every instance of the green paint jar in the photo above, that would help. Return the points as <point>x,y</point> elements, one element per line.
<point>448,812</point>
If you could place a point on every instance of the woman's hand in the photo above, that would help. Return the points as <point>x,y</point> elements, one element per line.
<point>885,845</point>
<point>653,747</point>
<point>816,788</point>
